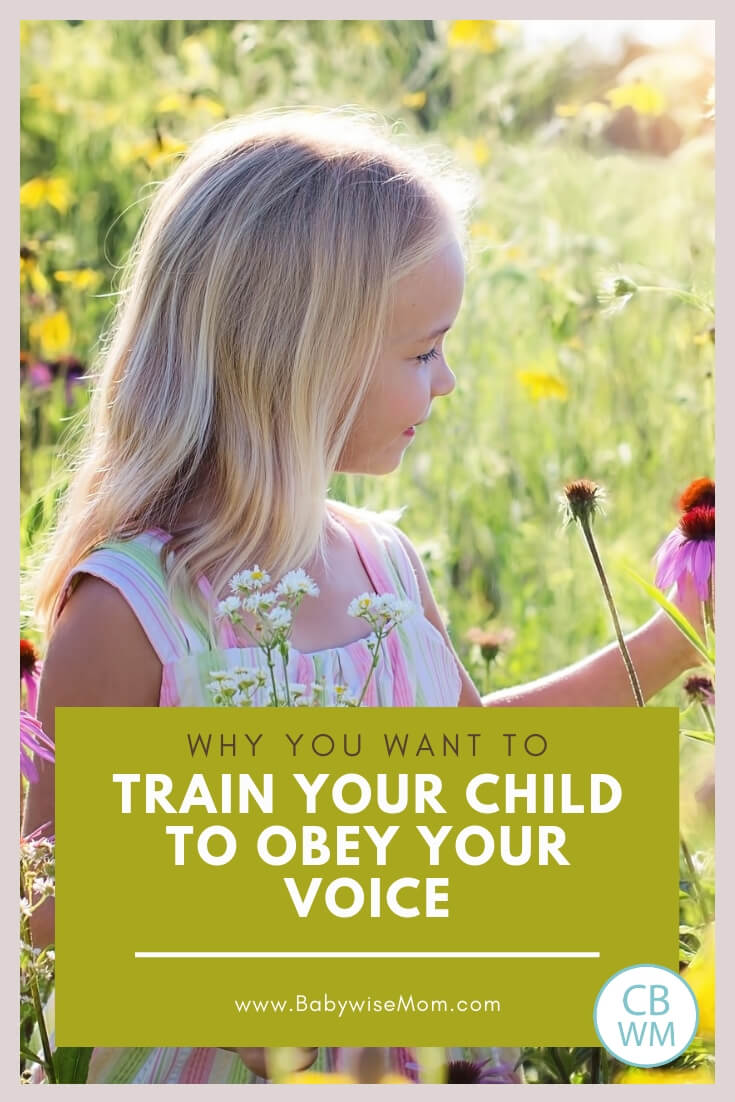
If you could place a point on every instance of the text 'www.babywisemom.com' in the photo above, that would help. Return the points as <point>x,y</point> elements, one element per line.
<point>324,1004</point>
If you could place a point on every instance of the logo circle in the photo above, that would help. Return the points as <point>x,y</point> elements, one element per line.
<point>646,1015</point>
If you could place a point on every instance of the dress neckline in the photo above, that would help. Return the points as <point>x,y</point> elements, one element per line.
<point>227,629</point>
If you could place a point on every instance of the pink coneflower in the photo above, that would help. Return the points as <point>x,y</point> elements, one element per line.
<point>33,738</point>
<point>700,689</point>
<point>689,549</point>
<point>475,1071</point>
<point>490,642</point>
<point>581,500</point>
<point>29,673</point>
<point>699,492</point>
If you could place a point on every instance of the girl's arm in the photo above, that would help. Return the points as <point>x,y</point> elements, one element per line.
<point>659,651</point>
<point>98,656</point>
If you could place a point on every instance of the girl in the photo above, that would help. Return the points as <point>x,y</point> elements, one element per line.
<point>282,319</point>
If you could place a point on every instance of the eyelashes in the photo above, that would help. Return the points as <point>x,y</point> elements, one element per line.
<point>424,357</point>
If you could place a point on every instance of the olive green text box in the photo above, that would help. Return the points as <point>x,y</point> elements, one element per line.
<point>489,946</point>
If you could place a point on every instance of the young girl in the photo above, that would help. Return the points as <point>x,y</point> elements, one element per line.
<point>283,318</point>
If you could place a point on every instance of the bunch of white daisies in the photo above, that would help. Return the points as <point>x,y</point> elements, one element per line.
<point>272,612</point>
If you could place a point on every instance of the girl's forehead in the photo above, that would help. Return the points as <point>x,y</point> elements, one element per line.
<point>426,301</point>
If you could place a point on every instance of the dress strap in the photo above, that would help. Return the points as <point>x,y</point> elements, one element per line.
<point>382,552</point>
<point>134,568</point>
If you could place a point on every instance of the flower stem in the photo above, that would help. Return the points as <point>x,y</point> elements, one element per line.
<point>604,1066</point>
<point>36,994</point>
<point>373,664</point>
<point>272,669</point>
<point>694,875</point>
<point>685,296</point>
<point>284,662</point>
<point>708,716</point>
<point>632,675</point>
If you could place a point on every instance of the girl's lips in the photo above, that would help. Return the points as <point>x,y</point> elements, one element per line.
<point>410,432</point>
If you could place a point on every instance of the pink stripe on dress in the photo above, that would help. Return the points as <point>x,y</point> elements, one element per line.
<point>198,1067</point>
<point>403,694</point>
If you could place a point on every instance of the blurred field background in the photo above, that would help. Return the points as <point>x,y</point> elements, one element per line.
<point>588,161</point>
<point>593,157</point>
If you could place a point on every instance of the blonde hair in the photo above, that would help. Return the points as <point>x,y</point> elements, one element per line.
<point>250,317</point>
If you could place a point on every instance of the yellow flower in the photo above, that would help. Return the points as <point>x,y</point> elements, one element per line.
<point>211,106</point>
<point>540,384</point>
<point>317,1077</point>
<point>414,99</point>
<point>152,150</point>
<point>52,332</point>
<point>477,150</point>
<point>672,1076</point>
<point>643,98</point>
<point>174,101</point>
<point>80,278</point>
<point>484,230</point>
<point>53,190</point>
<point>566,110</point>
<point>30,273</point>
<point>700,975</point>
<point>594,110</point>
<point>43,96</point>
<point>369,34</point>
<point>473,34</point>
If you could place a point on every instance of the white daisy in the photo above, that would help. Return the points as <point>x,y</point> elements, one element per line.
<point>247,581</point>
<point>229,607</point>
<point>297,583</point>
<point>260,602</point>
<point>361,606</point>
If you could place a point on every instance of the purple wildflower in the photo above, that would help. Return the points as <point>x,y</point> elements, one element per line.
<point>38,835</point>
<point>689,549</point>
<point>33,738</point>
<point>472,1071</point>
<point>29,673</point>
<point>699,688</point>
<point>41,375</point>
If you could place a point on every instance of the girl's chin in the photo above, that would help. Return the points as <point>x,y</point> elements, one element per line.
<point>388,460</point>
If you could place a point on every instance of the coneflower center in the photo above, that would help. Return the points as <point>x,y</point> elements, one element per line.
<point>698,523</point>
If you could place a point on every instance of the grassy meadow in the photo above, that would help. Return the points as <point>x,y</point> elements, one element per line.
<point>550,385</point>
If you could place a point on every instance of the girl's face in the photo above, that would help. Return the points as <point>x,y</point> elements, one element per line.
<point>411,370</point>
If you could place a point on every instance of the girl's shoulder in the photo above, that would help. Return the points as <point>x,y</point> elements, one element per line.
<point>143,549</point>
<point>135,568</point>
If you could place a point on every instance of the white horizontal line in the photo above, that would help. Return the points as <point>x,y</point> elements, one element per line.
<point>381,955</point>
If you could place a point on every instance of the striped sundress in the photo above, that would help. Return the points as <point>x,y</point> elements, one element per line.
<point>415,669</point>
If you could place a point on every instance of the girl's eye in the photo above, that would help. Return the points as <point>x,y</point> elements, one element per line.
<point>424,357</point>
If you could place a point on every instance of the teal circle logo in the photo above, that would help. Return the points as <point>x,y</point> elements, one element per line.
<point>646,1015</point>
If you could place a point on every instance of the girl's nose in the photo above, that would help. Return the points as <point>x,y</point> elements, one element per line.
<point>443,380</point>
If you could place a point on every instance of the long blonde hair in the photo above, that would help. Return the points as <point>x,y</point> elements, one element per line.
<point>250,317</point>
